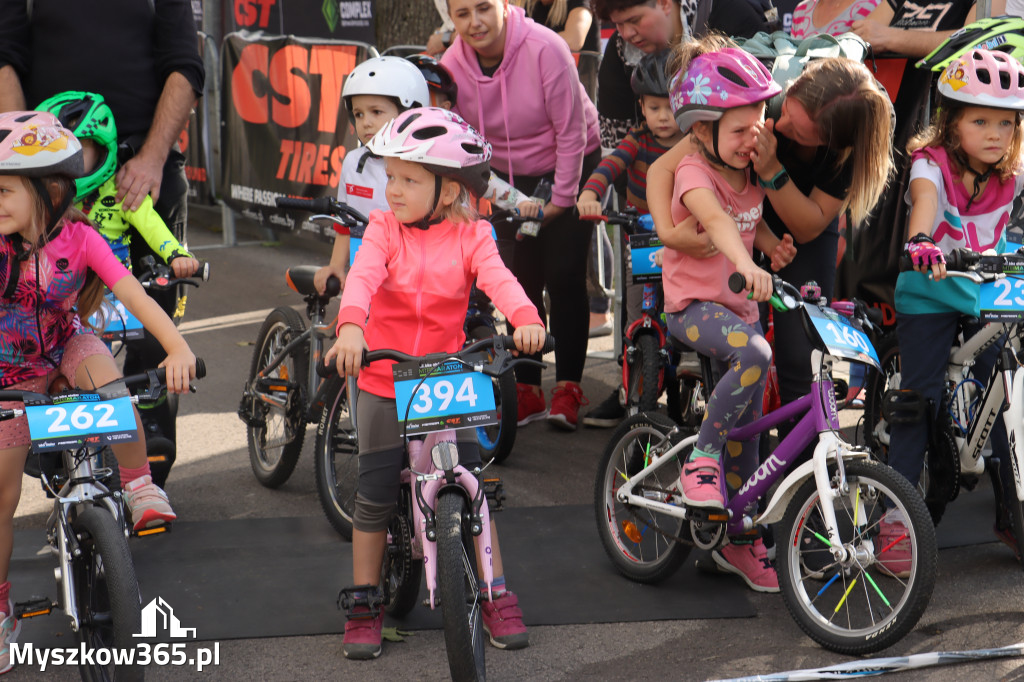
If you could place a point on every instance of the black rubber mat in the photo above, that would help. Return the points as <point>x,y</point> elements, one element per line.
<point>250,578</point>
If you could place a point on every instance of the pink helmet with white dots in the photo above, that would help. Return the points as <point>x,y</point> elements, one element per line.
<point>440,140</point>
<point>718,81</point>
<point>35,144</point>
<point>984,78</point>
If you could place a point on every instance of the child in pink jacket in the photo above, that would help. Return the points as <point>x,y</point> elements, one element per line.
<point>408,291</point>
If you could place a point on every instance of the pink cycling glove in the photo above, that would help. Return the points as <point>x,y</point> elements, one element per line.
<point>923,252</point>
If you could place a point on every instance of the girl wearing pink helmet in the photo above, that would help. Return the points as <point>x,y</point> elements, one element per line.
<point>964,177</point>
<point>53,266</point>
<point>409,290</point>
<point>719,93</point>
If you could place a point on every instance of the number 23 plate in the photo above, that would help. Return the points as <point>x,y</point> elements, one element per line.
<point>1002,300</point>
<point>78,419</point>
<point>453,396</point>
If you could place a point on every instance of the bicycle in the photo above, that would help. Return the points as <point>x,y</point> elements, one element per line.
<point>827,510</point>
<point>955,455</point>
<point>441,528</point>
<point>116,325</point>
<point>87,530</point>
<point>284,393</point>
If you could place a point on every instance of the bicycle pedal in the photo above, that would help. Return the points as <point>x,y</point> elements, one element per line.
<point>146,532</point>
<point>34,606</point>
<point>494,491</point>
<point>705,515</point>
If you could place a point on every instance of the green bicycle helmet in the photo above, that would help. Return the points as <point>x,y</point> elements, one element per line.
<point>996,34</point>
<point>88,116</point>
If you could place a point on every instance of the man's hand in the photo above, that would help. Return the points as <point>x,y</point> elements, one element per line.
<point>140,176</point>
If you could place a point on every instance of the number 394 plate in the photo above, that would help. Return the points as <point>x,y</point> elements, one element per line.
<point>451,397</point>
<point>77,419</point>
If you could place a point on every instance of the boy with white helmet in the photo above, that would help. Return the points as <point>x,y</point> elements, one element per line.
<point>375,92</point>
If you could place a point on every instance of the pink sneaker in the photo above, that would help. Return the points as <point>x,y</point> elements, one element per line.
<point>531,405</point>
<point>9,629</point>
<point>892,548</point>
<point>147,504</point>
<point>565,406</point>
<point>503,622</point>
<point>750,562</point>
<point>700,483</point>
<point>363,634</point>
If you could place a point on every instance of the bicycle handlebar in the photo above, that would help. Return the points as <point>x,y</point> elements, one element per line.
<point>160,276</point>
<point>348,216</point>
<point>502,345</point>
<point>978,267</point>
<point>631,220</point>
<point>785,296</point>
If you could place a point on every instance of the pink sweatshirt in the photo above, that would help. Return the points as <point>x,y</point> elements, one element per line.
<point>534,109</point>
<point>416,283</point>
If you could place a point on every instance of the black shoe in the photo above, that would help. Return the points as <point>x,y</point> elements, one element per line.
<point>606,415</point>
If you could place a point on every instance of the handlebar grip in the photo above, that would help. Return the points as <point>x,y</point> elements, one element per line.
<point>595,218</point>
<point>333,287</point>
<point>200,368</point>
<point>737,283</point>
<point>204,271</point>
<point>318,205</point>
<point>961,259</point>
<point>549,344</point>
<point>323,370</point>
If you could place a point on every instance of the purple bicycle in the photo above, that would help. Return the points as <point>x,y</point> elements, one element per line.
<point>831,561</point>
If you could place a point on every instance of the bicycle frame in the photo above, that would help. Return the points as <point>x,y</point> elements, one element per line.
<point>820,420</point>
<point>426,481</point>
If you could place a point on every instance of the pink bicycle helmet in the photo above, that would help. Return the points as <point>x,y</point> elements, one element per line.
<point>716,82</point>
<point>440,140</point>
<point>35,144</point>
<point>986,79</point>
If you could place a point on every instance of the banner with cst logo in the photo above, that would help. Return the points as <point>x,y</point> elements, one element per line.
<point>285,130</point>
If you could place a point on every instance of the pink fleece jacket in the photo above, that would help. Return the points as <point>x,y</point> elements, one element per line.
<point>414,285</point>
<point>534,109</point>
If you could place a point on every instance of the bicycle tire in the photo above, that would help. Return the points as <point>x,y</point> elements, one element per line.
<point>273,465</point>
<point>855,608</point>
<point>336,459</point>
<point>401,573</point>
<point>876,429</point>
<point>461,601</point>
<point>1016,513</point>
<point>496,441</point>
<point>641,556</point>
<point>107,591</point>
<point>643,386</point>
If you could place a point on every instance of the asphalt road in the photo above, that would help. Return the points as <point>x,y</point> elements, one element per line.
<point>978,601</point>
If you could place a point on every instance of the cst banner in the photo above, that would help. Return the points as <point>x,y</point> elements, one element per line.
<point>335,19</point>
<point>285,130</point>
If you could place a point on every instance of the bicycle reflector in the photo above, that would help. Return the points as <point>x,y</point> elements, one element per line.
<point>445,455</point>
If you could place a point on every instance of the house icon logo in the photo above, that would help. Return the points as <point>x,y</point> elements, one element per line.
<point>158,617</point>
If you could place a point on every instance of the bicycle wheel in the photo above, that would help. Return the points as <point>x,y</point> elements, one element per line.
<point>1015,510</point>
<point>876,428</point>
<point>107,591</point>
<point>645,370</point>
<point>633,537</point>
<point>855,607</point>
<point>496,441</point>
<point>401,574</point>
<point>461,601</point>
<point>276,432</point>
<point>336,459</point>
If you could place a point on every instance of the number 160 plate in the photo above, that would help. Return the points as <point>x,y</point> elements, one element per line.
<point>78,419</point>
<point>452,396</point>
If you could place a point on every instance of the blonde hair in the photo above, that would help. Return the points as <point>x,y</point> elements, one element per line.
<point>557,14</point>
<point>943,133</point>
<point>58,187</point>
<point>854,116</point>
<point>461,210</point>
<point>685,52</point>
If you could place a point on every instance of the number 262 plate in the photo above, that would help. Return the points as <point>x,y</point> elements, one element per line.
<point>452,396</point>
<point>78,419</point>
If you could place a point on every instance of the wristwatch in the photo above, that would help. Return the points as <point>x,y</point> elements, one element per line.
<point>777,182</point>
<point>446,38</point>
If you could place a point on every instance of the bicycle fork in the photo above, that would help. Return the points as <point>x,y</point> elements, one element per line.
<point>1014,416</point>
<point>427,487</point>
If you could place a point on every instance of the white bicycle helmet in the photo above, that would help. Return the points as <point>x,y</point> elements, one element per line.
<point>387,77</point>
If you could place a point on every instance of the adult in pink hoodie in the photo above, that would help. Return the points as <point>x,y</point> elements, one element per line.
<point>519,87</point>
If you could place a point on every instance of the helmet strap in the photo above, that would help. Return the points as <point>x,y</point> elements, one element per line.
<point>979,177</point>
<point>56,213</point>
<point>432,219</point>
<point>714,141</point>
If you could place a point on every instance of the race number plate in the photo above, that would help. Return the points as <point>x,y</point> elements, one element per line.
<point>452,396</point>
<point>841,338</point>
<point>115,322</point>
<point>77,419</point>
<point>1002,300</point>
<point>643,247</point>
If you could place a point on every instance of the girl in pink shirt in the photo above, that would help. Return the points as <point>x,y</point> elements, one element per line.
<point>53,265</point>
<point>409,291</point>
<point>719,96</point>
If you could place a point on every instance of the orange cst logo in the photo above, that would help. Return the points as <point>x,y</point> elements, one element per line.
<point>253,13</point>
<point>298,89</point>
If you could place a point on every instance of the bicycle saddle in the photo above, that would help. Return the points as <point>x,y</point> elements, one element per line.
<point>300,279</point>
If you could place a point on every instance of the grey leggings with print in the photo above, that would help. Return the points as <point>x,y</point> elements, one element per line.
<point>743,356</point>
